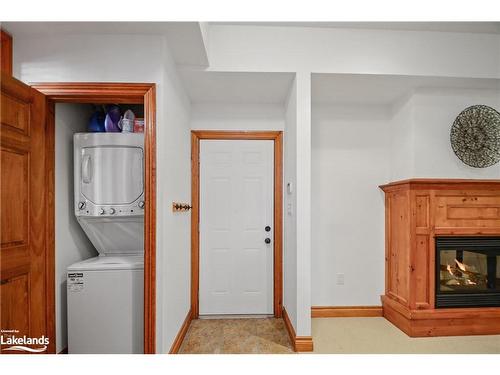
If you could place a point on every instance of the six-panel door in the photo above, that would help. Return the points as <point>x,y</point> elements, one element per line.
<point>236,227</point>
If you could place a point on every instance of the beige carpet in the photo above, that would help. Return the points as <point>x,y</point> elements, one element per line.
<point>377,335</point>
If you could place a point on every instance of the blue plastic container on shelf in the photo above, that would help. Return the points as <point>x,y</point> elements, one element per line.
<point>96,122</point>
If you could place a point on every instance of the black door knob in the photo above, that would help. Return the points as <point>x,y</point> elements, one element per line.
<point>267,228</point>
<point>267,240</point>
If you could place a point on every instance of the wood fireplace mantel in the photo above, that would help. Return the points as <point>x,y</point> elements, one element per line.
<point>416,211</point>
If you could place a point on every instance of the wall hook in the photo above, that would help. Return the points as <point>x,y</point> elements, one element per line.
<point>180,207</point>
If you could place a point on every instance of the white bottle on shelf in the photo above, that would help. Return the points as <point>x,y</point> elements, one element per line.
<point>127,122</point>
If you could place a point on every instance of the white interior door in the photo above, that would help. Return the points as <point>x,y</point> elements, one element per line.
<point>236,206</point>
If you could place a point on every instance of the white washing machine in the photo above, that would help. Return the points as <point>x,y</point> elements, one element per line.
<point>105,293</point>
<point>105,309</point>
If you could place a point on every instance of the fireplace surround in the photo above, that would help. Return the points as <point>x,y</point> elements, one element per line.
<point>442,256</point>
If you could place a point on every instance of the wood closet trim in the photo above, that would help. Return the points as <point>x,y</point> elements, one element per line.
<point>6,52</point>
<point>96,92</point>
<point>277,137</point>
<point>104,92</point>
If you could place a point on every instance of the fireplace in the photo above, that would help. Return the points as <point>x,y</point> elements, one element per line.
<point>467,272</point>
<point>442,260</point>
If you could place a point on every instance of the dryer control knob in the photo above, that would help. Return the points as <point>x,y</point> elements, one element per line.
<point>141,204</point>
<point>101,211</point>
<point>112,211</point>
<point>81,205</point>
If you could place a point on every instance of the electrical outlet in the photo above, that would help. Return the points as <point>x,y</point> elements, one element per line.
<point>340,279</point>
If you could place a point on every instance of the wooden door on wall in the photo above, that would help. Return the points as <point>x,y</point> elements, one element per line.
<point>24,286</point>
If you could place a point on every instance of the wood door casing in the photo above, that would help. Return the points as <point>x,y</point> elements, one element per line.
<point>109,92</point>
<point>23,259</point>
<point>277,137</point>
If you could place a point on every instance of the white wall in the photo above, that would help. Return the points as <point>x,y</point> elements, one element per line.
<point>290,206</point>
<point>303,208</point>
<point>297,215</point>
<point>292,49</point>
<point>107,58</point>
<point>421,134</point>
<point>72,245</point>
<point>306,50</point>
<point>303,50</point>
<point>251,116</point>
<point>104,58</point>
<point>350,158</point>
<point>354,150</point>
<point>434,113</point>
<point>402,145</point>
<point>174,229</point>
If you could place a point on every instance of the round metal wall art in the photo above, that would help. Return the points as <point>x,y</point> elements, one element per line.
<point>475,136</point>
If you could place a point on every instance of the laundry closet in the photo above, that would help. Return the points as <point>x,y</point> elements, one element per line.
<point>99,227</point>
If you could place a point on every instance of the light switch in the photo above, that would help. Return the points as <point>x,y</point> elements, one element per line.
<point>340,279</point>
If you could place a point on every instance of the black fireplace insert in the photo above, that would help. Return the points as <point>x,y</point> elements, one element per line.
<point>467,272</point>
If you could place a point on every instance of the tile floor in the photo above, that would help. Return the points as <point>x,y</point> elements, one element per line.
<point>237,336</point>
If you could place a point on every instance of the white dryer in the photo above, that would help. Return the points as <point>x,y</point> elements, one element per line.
<point>105,293</point>
<point>109,190</point>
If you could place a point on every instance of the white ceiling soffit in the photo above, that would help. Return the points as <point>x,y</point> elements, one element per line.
<point>188,43</point>
<point>384,89</point>
<point>453,27</point>
<point>236,87</point>
<point>186,39</point>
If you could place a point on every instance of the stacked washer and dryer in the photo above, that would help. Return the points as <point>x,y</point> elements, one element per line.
<point>105,293</point>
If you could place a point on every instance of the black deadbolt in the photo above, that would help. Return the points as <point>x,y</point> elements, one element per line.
<point>267,240</point>
<point>267,228</point>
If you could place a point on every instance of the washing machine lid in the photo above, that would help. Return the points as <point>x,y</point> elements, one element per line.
<point>109,263</point>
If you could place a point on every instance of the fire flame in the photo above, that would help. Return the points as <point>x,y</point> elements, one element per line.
<point>448,267</point>
<point>460,265</point>
<point>462,274</point>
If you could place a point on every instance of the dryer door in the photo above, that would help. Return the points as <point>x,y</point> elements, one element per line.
<point>112,175</point>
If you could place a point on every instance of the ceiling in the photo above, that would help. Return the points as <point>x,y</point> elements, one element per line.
<point>185,38</point>
<point>188,43</point>
<point>459,27</point>
<point>162,28</point>
<point>236,87</point>
<point>377,89</point>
